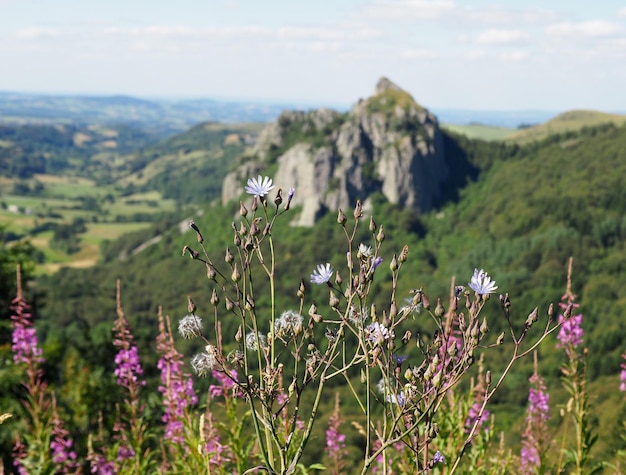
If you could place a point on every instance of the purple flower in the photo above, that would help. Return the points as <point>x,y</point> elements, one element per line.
<point>225,383</point>
<point>438,458</point>
<point>322,274</point>
<point>571,332</point>
<point>473,416</point>
<point>376,262</point>
<point>336,441</point>
<point>481,283</point>
<point>177,386</point>
<point>25,344</point>
<point>128,368</point>
<point>534,437</point>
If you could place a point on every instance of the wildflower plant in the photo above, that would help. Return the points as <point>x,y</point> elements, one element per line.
<point>278,356</point>
<point>574,379</point>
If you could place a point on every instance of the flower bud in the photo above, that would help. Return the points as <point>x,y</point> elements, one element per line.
<point>393,309</point>
<point>228,257</point>
<point>255,204</point>
<point>425,302</point>
<point>192,254</point>
<point>358,210</point>
<point>404,253</point>
<point>551,310</point>
<point>193,226</point>
<point>279,197</point>
<point>312,309</point>
<point>236,275</point>
<point>210,272</point>
<point>242,229</point>
<point>333,300</point>
<point>532,318</point>
<point>372,225</point>
<point>488,378</point>
<point>254,227</point>
<point>191,307</point>
<point>243,211</point>
<point>484,328</point>
<point>229,303</point>
<point>301,290</point>
<point>393,265</point>
<point>338,279</point>
<point>407,337</point>
<point>439,310</point>
<point>381,234</point>
<point>239,334</point>
<point>500,339</point>
<point>215,300</point>
<point>341,218</point>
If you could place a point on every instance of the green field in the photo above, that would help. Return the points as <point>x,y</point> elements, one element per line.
<point>64,203</point>
<point>480,131</point>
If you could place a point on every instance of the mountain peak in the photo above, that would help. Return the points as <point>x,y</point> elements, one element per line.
<point>385,84</point>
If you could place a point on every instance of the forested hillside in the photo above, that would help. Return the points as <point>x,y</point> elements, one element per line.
<point>517,211</point>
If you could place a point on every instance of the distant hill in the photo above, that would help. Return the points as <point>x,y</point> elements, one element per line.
<point>158,116</point>
<point>566,122</point>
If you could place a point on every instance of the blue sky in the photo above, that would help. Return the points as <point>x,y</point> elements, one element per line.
<point>531,54</point>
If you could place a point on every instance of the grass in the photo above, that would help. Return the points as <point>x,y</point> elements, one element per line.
<point>565,122</point>
<point>480,131</point>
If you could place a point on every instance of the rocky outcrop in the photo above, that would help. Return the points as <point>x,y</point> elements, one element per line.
<point>387,143</point>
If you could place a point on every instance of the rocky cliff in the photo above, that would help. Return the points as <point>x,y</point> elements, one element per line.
<point>387,143</point>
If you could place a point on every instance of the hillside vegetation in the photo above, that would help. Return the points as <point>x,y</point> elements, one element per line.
<point>566,122</point>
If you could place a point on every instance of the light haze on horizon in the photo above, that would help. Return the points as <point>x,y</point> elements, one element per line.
<point>474,54</point>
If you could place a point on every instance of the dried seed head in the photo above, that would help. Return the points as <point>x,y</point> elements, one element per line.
<point>551,310</point>
<point>500,339</point>
<point>229,303</point>
<point>215,300</point>
<point>190,326</point>
<point>333,301</point>
<point>243,211</point>
<point>254,227</point>
<point>372,225</point>
<point>239,334</point>
<point>242,229</point>
<point>338,279</point>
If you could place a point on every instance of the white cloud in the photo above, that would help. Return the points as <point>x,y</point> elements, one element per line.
<point>419,53</point>
<point>584,29</point>
<point>37,33</point>
<point>409,10</point>
<point>621,12</point>
<point>500,37</point>
<point>513,56</point>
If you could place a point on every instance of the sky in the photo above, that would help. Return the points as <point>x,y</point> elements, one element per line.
<point>483,55</point>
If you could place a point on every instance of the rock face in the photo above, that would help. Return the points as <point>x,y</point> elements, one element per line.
<point>386,143</point>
